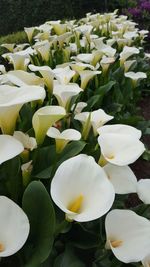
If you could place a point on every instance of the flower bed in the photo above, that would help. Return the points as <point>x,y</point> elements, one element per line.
<point>70,126</point>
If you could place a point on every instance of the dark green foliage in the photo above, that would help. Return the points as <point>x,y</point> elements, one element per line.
<point>15,14</point>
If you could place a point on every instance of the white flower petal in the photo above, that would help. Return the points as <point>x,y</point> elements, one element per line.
<point>14,227</point>
<point>143,190</point>
<point>74,178</point>
<point>131,232</point>
<point>122,178</point>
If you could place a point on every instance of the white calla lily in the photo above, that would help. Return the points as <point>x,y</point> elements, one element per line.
<point>27,141</point>
<point>29,32</point>
<point>10,147</point>
<point>14,227</point>
<point>64,93</point>
<point>44,118</point>
<point>63,138</point>
<point>135,76</point>
<point>128,52</point>
<point>120,149</point>
<point>12,99</point>
<point>44,51</point>
<point>98,118</point>
<point>20,78</point>
<point>86,76</point>
<point>47,74</point>
<point>128,235</point>
<point>86,58</point>
<point>63,75</point>
<point>143,189</point>
<point>122,178</point>
<point>128,64</point>
<point>120,129</point>
<point>10,47</point>
<point>77,108</point>
<point>146,261</point>
<point>19,62</point>
<point>2,69</point>
<point>83,195</point>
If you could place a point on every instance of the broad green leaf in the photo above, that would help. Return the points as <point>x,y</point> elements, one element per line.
<point>39,209</point>
<point>68,259</point>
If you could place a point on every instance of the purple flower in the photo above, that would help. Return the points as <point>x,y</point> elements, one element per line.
<point>145,5</point>
<point>135,12</point>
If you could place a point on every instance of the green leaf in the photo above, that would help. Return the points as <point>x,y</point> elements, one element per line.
<point>68,259</point>
<point>71,150</point>
<point>39,209</point>
<point>102,90</point>
<point>146,155</point>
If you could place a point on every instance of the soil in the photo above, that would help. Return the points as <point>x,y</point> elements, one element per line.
<point>141,167</point>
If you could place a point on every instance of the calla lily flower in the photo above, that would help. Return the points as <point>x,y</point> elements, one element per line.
<point>105,63</point>
<point>29,32</point>
<point>20,78</point>
<point>87,58</point>
<point>63,138</point>
<point>10,47</point>
<point>47,74</point>
<point>120,149</point>
<point>128,64</point>
<point>2,69</point>
<point>98,118</point>
<point>120,129</point>
<point>28,142</point>
<point>64,93</point>
<point>135,76</point>
<point>63,75</point>
<point>122,178</point>
<point>86,76</point>
<point>59,28</point>
<point>44,51</point>
<point>19,62</point>
<point>143,189</point>
<point>12,99</point>
<point>83,195</point>
<point>79,107</point>
<point>128,235</point>
<point>146,261</point>
<point>127,52</point>
<point>10,147</point>
<point>44,118</point>
<point>14,227</point>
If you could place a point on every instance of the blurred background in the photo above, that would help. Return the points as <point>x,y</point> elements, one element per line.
<point>15,14</point>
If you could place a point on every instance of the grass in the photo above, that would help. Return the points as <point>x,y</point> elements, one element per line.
<point>17,38</point>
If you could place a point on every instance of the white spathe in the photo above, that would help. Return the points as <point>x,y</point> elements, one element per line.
<point>120,149</point>
<point>135,76</point>
<point>143,190</point>
<point>14,227</point>
<point>10,147</point>
<point>86,76</point>
<point>128,235</point>
<point>21,78</point>
<point>63,138</point>
<point>120,129</point>
<point>63,75</point>
<point>47,74</point>
<point>27,141</point>
<point>44,118</point>
<point>122,178</point>
<point>98,118</point>
<point>146,261</point>
<point>83,195</point>
<point>64,93</point>
<point>127,52</point>
<point>12,99</point>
